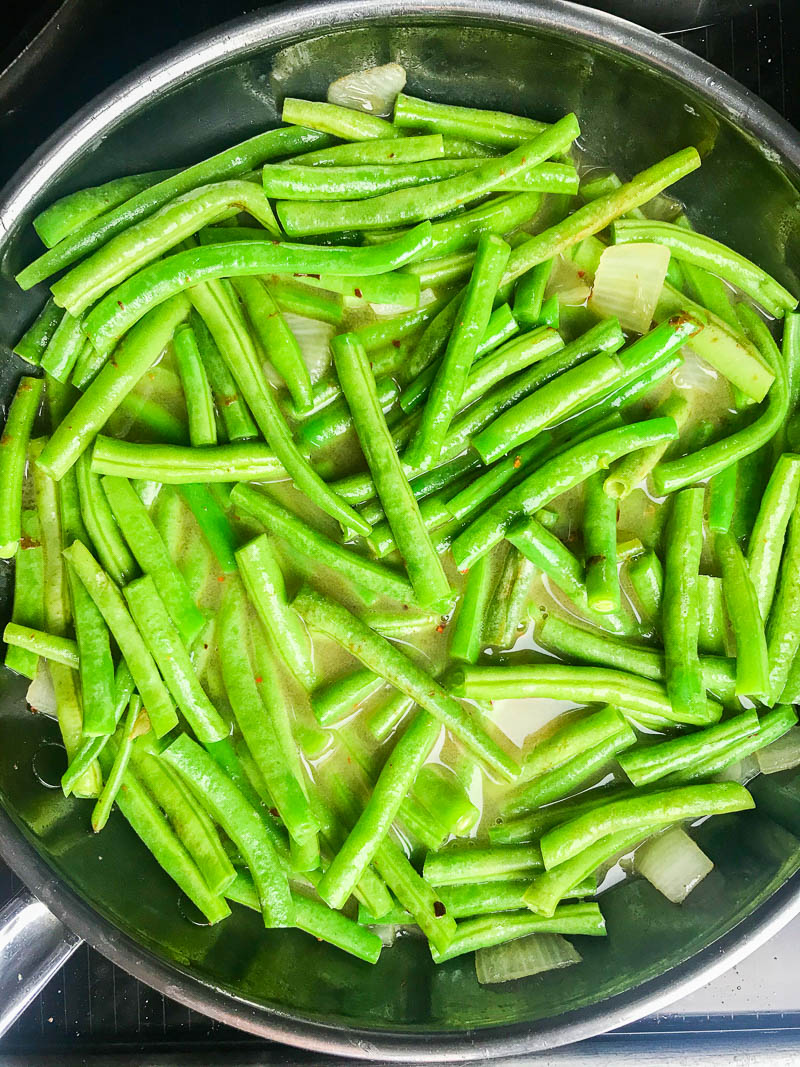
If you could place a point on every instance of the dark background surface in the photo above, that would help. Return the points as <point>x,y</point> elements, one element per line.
<point>55,58</point>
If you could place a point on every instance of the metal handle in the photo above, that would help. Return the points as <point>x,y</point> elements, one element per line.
<point>33,945</point>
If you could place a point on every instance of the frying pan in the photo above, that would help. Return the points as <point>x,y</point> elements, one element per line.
<point>638,98</point>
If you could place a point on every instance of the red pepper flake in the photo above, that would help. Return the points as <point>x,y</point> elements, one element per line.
<point>391,155</point>
<point>220,577</point>
<point>259,680</point>
<point>28,542</point>
<point>120,305</point>
<point>439,909</point>
<point>440,629</point>
<point>395,343</point>
<point>6,439</point>
<point>358,293</point>
<point>581,273</point>
<point>273,812</point>
<point>517,462</point>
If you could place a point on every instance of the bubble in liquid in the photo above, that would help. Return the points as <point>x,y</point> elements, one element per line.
<point>49,763</point>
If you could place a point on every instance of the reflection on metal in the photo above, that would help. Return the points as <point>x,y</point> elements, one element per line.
<point>33,945</point>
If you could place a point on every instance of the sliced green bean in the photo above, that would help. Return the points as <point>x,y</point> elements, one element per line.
<point>120,309</point>
<point>646,575</point>
<point>196,388</point>
<point>768,535</point>
<point>771,726</point>
<point>385,150</point>
<point>264,581</point>
<point>31,346</point>
<point>214,523</point>
<point>673,805</point>
<point>634,469</point>
<point>340,698</point>
<point>95,663</point>
<point>48,646</point>
<point>91,747</point>
<point>600,546</point>
<point>320,549</point>
<point>467,639</point>
<point>64,348</point>
<point>343,122</point>
<point>402,511</point>
<point>722,499</point>
<point>114,778</point>
<point>236,419</point>
<point>496,128</point>
<point>13,456</point>
<point>455,866</point>
<point>752,657</point>
<point>783,625</point>
<point>241,823</point>
<point>385,719</point>
<point>325,615</point>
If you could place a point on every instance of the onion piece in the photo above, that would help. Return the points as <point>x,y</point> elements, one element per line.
<point>41,695</point>
<point>694,374</point>
<point>628,286</point>
<point>567,281</point>
<point>374,90</point>
<point>314,338</point>
<point>782,754</point>
<point>524,957</point>
<point>672,863</point>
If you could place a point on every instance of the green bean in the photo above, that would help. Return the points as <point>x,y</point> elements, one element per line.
<point>230,333</point>
<point>606,183</point>
<point>718,258</point>
<point>95,663</point>
<point>241,823</point>
<point>70,212</point>
<point>48,646</point>
<point>279,343</point>
<point>416,822</point>
<point>323,614</point>
<point>391,331</point>
<point>114,382</point>
<point>414,893</point>
<point>529,293</point>
<point>447,389</point>
<point>648,763</point>
<point>676,473</point>
<point>710,291</point>
<point>190,821</point>
<point>179,465</point>
<point>114,778</point>
<point>595,216</point>
<point>140,662</point>
<point>233,162</point>
<point>33,343</point>
<point>152,556</point>
<point>196,388</point>
<point>386,150</point>
<point>64,348</point>
<point>509,600</point>
<point>553,478</point>
<point>438,198</point>
<point>722,499</point>
<point>263,578</point>
<point>389,287</point>
<point>752,658</point>
<point>236,419</point>
<point>549,887</point>
<point>214,524</point>
<point>340,698</point>
<point>673,805</point>
<point>454,866</point>
<point>600,546</point>
<point>91,747</point>
<point>150,238</point>
<point>336,419</point>
<point>385,719</point>
<point>150,824</point>
<point>466,642</point>
<point>570,740</point>
<point>393,783</point>
<point>315,918</point>
<point>320,549</point>
<point>490,930</point>
<point>634,469</point>
<point>783,624</point>
<point>579,387</point>
<point>504,472</point>
<point>577,684</point>
<point>488,898</point>
<point>569,777</point>
<point>587,646</point>
<point>169,652</point>
<point>514,356</point>
<point>768,535</point>
<point>501,215</point>
<point>646,575</point>
<point>495,128</point>
<point>712,635</point>
<point>771,726</point>
<point>257,728</point>
<point>445,798</point>
<point>120,309</point>
<point>306,300</point>
<point>13,456</point>
<point>680,610</point>
<point>338,121</point>
<point>425,570</point>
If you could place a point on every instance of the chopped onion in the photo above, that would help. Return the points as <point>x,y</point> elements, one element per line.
<point>673,863</point>
<point>628,284</point>
<point>740,771</point>
<point>695,374</point>
<point>374,90</point>
<point>524,957</point>
<point>41,695</point>
<point>568,281</point>
<point>782,754</point>
<point>314,338</point>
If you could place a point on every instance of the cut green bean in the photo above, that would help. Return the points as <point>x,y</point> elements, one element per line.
<point>600,546</point>
<point>768,535</point>
<point>31,346</point>
<point>445,799</point>
<point>771,726</point>
<point>752,657</point>
<point>342,697</point>
<point>91,747</point>
<point>386,150</point>
<point>783,625</point>
<point>455,866</point>
<point>196,388</point>
<point>722,499</point>
<point>646,575</point>
<point>236,419</point>
<point>467,638</point>
<point>496,128</point>
<point>325,615</point>
<point>634,469</point>
<point>113,783</point>
<point>13,456</point>
<point>48,646</point>
<point>385,719</point>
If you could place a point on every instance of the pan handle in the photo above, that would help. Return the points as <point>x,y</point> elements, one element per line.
<point>33,945</point>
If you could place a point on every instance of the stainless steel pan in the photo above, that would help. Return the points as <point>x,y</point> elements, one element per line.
<point>638,98</point>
